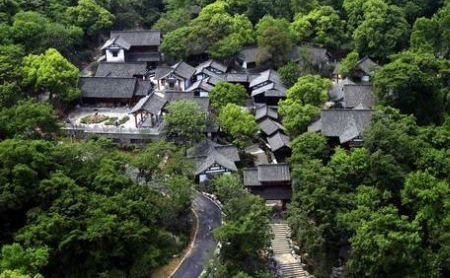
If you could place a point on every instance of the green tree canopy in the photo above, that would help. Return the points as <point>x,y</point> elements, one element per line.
<point>289,73</point>
<point>184,123</point>
<point>308,146</point>
<point>53,73</point>
<point>29,119</point>
<point>90,16</point>
<point>383,31</point>
<point>310,89</point>
<point>322,26</point>
<point>26,260</point>
<point>240,125</point>
<point>297,117</point>
<point>413,84</point>
<point>225,93</point>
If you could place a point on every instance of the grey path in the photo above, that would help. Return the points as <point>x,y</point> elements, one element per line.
<point>209,218</point>
<point>288,265</point>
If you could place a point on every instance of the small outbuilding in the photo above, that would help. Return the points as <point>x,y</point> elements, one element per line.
<point>270,181</point>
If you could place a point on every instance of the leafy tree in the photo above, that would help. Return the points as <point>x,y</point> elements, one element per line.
<point>225,93</point>
<point>274,41</point>
<point>244,236</point>
<point>322,26</point>
<point>37,33</point>
<point>385,232</point>
<point>215,28</point>
<point>160,158</point>
<point>308,146</point>
<point>383,31</point>
<point>347,65</point>
<point>28,118</point>
<point>312,213</point>
<point>173,44</point>
<point>8,9</point>
<point>303,6</point>
<point>355,13</point>
<point>184,122</point>
<point>25,260</point>
<point>171,21</point>
<point>393,133</point>
<point>240,125</point>
<point>289,73</point>
<point>10,57</point>
<point>227,187</point>
<point>301,104</point>
<point>268,21</point>
<point>51,72</point>
<point>16,274</point>
<point>310,89</point>
<point>424,37</point>
<point>180,192</point>
<point>297,117</point>
<point>412,83</point>
<point>90,16</point>
<point>10,94</point>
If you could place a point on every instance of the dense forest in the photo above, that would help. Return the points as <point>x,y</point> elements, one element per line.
<point>76,209</point>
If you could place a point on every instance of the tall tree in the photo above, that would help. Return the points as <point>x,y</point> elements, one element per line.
<point>383,31</point>
<point>224,93</point>
<point>310,89</point>
<point>90,16</point>
<point>322,26</point>
<point>240,125</point>
<point>53,73</point>
<point>413,83</point>
<point>184,123</point>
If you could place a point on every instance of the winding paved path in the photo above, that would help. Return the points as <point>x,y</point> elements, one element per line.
<point>209,218</point>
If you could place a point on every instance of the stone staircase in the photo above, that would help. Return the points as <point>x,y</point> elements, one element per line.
<point>288,265</point>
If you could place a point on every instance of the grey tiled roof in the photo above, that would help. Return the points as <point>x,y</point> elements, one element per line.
<point>269,126</point>
<point>203,102</point>
<point>316,55</point>
<point>358,95</point>
<point>251,177</point>
<point>273,172</point>
<point>337,91</point>
<point>268,75</point>
<point>181,69</point>
<point>248,54</point>
<point>278,141</point>
<point>103,87</point>
<point>119,41</point>
<point>201,84</point>
<point>263,89</point>
<point>315,126</point>
<point>151,103</point>
<point>368,66</point>
<point>162,71</point>
<point>207,153</point>
<point>143,87</point>
<point>211,63</point>
<point>265,111</point>
<point>344,123</point>
<point>277,91</point>
<point>108,69</point>
<point>266,173</point>
<point>237,77</point>
<point>229,151</point>
<point>139,37</point>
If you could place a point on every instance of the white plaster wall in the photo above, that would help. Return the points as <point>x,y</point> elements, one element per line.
<point>120,57</point>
